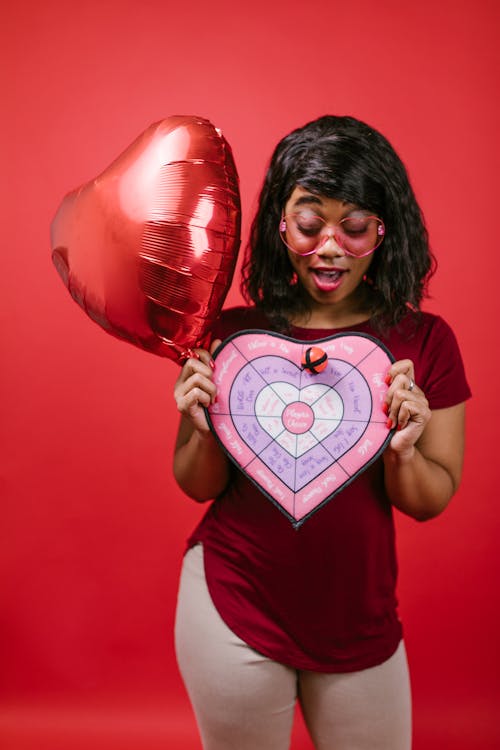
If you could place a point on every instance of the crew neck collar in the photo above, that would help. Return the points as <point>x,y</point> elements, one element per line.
<point>321,332</point>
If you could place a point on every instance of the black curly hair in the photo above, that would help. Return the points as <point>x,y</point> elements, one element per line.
<point>342,158</point>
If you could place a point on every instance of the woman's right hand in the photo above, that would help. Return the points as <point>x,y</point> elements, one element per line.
<point>195,388</point>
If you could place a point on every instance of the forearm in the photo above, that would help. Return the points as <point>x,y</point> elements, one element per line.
<point>423,462</point>
<point>201,469</point>
<point>416,485</point>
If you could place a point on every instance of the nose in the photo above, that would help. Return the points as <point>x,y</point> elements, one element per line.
<point>329,246</point>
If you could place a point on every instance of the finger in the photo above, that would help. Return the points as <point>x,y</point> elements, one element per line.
<point>401,367</point>
<point>191,408</point>
<point>401,375</point>
<point>403,415</point>
<point>410,411</point>
<point>200,364</point>
<point>199,383</point>
<point>203,356</point>
<point>406,405</point>
<point>192,400</point>
<point>402,381</point>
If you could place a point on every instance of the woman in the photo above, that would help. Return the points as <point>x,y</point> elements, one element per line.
<point>268,615</point>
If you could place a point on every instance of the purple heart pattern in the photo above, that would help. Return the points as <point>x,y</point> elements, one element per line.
<point>300,436</point>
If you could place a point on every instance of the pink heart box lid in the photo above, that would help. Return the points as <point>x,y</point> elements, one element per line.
<point>300,436</point>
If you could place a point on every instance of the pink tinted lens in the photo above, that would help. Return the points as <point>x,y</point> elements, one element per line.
<point>360,236</point>
<point>304,233</point>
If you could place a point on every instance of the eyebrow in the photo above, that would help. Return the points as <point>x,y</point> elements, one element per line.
<point>314,200</point>
<point>305,200</point>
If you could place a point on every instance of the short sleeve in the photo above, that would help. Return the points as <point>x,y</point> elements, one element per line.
<point>235,319</point>
<point>440,372</point>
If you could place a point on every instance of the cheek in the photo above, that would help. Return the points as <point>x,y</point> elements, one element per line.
<point>365,265</point>
<point>298,262</point>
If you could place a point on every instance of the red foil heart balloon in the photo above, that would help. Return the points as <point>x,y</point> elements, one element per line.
<point>148,248</point>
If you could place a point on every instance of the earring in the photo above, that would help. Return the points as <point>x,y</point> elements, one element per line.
<point>282,225</point>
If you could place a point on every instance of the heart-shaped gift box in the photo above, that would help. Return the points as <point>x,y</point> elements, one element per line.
<point>301,431</point>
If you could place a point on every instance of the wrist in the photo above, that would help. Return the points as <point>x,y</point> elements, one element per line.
<point>401,455</point>
<point>204,438</point>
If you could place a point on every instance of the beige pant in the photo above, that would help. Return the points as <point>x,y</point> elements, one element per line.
<point>245,701</point>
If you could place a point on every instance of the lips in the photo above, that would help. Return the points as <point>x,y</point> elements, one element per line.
<point>328,279</point>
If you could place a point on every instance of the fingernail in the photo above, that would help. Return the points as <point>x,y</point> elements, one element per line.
<point>211,363</point>
<point>385,408</point>
<point>388,379</point>
<point>388,424</point>
<point>400,427</point>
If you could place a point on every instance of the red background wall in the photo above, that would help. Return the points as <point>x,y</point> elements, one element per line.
<point>93,526</point>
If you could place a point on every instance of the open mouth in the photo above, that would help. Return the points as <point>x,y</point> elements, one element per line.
<point>327,279</point>
<point>330,275</point>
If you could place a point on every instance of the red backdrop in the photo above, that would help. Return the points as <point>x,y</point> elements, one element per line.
<point>93,526</point>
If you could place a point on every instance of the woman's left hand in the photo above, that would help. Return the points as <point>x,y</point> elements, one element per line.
<point>406,406</point>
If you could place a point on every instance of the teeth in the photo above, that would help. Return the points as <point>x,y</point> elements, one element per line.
<point>331,275</point>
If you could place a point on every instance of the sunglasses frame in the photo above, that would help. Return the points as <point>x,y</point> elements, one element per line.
<point>380,233</point>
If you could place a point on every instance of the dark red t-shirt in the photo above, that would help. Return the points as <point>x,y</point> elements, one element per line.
<point>320,597</point>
